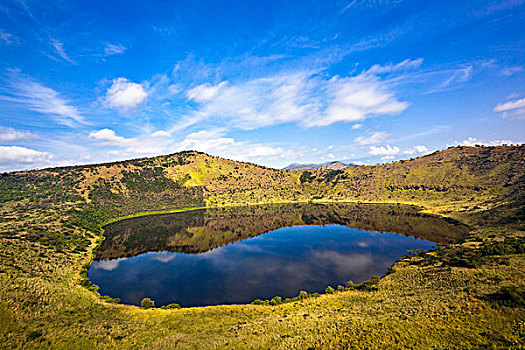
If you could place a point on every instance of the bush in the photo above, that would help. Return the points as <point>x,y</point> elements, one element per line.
<point>170,306</point>
<point>302,295</point>
<point>329,290</point>
<point>147,303</point>
<point>276,301</point>
<point>109,299</point>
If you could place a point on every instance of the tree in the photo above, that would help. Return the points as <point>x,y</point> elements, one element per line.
<point>147,303</point>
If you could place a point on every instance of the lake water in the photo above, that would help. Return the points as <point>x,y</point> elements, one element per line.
<point>236,255</point>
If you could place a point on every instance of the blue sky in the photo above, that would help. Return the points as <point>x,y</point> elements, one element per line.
<point>270,82</point>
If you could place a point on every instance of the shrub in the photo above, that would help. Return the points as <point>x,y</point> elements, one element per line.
<point>329,290</point>
<point>302,295</point>
<point>109,299</point>
<point>170,306</point>
<point>276,301</point>
<point>147,303</point>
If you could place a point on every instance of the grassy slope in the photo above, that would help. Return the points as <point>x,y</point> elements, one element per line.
<point>50,226</point>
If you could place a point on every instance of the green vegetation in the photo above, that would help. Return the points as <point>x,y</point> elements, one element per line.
<point>278,300</point>
<point>147,303</point>
<point>466,294</point>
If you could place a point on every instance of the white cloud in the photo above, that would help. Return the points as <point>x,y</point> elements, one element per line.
<point>388,68</point>
<point>384,150</point>
<point>417,149</point>
<point>215,143</point>
<point>108,136</point>
<point>303,97</point>
<point>125,95</point>
<point>357,126</point>
<point>10,134</point>
<point>375,138</point>
<point>39,98</point>
<point>503,107</point>
<point>514,109</point>
<point>357,98</point>
<point>161,133</point>
<point>149,144</point>
<point>112,49</point>
<point>59,48</point>
<point>14,157</point>
<point>472,141</point>
<point>204,92</point>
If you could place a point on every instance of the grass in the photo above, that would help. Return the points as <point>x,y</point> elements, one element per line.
<point>51,225</point>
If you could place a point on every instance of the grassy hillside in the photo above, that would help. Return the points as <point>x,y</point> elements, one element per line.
<point>469,294</point>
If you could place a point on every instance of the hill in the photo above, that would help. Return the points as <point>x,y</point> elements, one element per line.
<point>466,293</point>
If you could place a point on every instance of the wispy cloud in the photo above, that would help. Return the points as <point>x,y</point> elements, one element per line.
<point>391,67</point>
<point>304,97</point>
<point>497,6</point>
<point>348,6</point>
<point>510,71</point>
<point>59,48</point>
<point>455,78</point>
<point>27,93</point>
<point>374,138</point>
<point>6,38</point>
<point>10,134</point>
<point>515,109</point>
<point>114,49</point>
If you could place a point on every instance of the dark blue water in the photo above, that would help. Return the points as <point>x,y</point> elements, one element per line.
<point>281,262</point>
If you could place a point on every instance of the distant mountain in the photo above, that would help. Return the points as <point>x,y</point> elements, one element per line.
<point>328,166</point>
